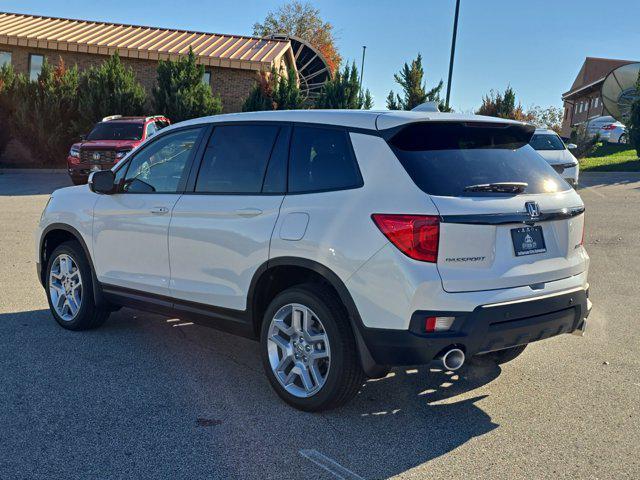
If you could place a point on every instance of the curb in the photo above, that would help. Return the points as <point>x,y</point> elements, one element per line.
<point>9,171</point>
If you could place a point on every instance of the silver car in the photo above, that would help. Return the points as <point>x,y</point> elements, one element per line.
<point>608,128</point>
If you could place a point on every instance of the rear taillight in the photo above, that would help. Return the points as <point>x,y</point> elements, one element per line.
<point>416,236</point>
<point>611,126</point>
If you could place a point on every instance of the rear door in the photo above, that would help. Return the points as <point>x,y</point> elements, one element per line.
<point>491,238</point>
<point>221,229</point>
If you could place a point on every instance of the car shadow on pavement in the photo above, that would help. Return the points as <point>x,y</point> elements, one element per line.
<point>170,389</point>
<point>411,417</point>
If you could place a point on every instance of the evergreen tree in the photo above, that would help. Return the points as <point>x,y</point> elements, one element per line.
<point>45,111</point>
<point>503,105</point>
<point>343,91</point>
<point>109,89</point>
<point>180,93</point>
<point>633,123</point>
<point>411,79</point>
<point>274,91</point>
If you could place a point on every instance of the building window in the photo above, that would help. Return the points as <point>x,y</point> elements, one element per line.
<point>35,66</point>
<point>5,58</point>
<point>206,77</point>
<point>595,102</point>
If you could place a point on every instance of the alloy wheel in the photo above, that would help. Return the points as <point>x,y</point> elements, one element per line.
<point>65,287</point>
<point>298,349</point>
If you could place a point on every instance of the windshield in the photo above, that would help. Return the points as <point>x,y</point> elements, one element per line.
<point>116,131</point>
<point>446,158</point>
<point>547,141</point>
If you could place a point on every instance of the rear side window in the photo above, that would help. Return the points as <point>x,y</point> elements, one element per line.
<point>236,159</point>
<point>321,160</point>
<point>446,158</point>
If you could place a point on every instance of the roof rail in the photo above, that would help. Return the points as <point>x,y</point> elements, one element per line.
<point>111,117</point>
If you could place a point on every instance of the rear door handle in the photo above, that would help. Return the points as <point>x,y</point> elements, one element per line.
<point>248,212</point>
<point>159,210</point>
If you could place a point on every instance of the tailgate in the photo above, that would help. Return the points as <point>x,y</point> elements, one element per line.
<point>504,246</point>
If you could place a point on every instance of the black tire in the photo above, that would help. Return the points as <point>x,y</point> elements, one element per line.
<point>506,355</point>
<point>345,375</point>
<point>87,316</point>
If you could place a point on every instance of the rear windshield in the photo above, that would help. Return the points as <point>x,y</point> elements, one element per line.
<point>446,158</point>
<point>546,141</point>
<point>116,131</point>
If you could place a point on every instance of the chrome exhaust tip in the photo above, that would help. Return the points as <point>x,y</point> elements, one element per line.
<point>452,359</point>
<point>581,329</point>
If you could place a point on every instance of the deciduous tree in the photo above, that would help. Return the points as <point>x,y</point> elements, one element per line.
<point>302,20</point>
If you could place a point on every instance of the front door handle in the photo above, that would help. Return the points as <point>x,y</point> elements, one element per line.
<point>159,210</point>
<point>248,212</point>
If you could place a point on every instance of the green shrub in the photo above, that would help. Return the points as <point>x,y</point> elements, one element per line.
<point>45,112</point>
<point>633,123</point>
<point>7,81</point>
<point>109,89</point>
<point>180,93</point>
<point>586,145</point>
<point>274,91</point>
<point>343,91</point>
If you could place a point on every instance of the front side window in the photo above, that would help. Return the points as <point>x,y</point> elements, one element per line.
<point>5,58</point>
<point>546,141</point>
<point>116,131</point>
<point>321,160</point>
<point>159,167</point>
<point>35,66</point>
<point>459,158</point>
<point>236,159</point>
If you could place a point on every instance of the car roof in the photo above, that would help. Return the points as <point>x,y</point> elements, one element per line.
<point>359,119</point>
<point>545,130</point>
<point>132,119</point>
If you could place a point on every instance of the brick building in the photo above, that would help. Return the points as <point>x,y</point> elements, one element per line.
<point>582,102</point>
<point>232,62</point>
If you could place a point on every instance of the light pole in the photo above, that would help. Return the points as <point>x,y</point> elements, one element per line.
<point>364,49</point>
<point>453,52</point>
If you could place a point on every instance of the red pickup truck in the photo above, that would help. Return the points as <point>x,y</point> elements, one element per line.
<point>109,142</point>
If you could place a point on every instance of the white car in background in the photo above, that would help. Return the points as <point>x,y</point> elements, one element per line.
<point>608,129</point>
<point>551,147</point>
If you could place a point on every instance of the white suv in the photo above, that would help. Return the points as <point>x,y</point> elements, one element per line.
<point>346,242</point>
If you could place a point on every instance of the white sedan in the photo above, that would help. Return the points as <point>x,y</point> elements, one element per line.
<point>551,147</point>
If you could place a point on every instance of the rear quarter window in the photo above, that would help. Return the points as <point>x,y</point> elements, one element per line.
<point>321,159</point>
<point>445,158</point>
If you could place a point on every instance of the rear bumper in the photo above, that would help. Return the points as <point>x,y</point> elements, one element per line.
<point>487,328</point>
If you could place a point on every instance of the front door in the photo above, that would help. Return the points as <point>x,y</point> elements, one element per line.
<point>131,226</point>
<point>221,231</point>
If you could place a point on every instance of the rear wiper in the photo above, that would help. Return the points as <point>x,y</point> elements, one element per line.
<point>499,187</point>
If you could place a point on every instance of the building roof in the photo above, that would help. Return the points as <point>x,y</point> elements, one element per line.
<point>134,41</point>
<point>592,74</point>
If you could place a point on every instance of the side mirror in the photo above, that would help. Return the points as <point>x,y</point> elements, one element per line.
<point>102,182</point>
<point>572,146</point>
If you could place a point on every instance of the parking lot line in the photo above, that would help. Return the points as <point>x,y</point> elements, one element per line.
<point>330,465</point>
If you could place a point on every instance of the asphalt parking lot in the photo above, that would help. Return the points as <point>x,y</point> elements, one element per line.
<point>148,397</point>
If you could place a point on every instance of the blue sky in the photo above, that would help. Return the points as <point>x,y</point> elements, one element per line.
<point>536,46</point>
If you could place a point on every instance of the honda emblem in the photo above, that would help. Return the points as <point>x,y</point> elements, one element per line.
<point>532,209</point>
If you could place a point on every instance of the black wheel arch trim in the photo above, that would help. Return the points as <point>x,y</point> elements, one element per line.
<point>98,296</point>
<point>366,359</point>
